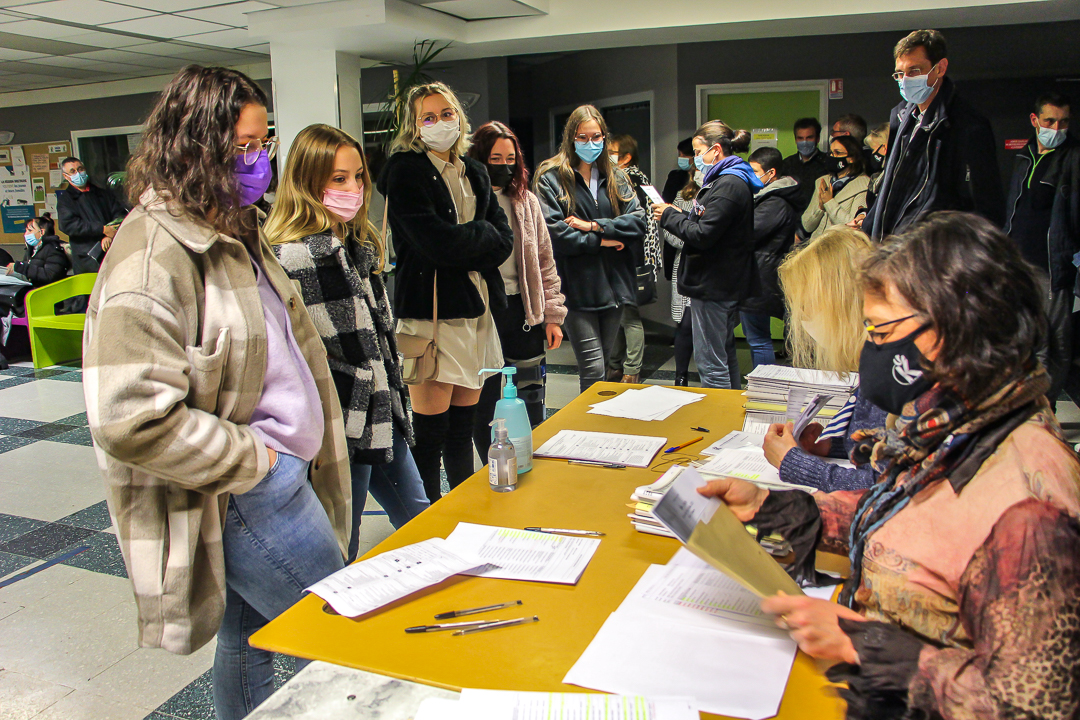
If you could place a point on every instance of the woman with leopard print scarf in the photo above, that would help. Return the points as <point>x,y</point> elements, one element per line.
<point>964,596</point>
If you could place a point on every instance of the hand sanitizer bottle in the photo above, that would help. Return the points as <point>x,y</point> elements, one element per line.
<point>502,460</point>
<point>511,408</point>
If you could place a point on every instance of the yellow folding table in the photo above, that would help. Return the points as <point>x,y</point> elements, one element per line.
<point>554,494</point>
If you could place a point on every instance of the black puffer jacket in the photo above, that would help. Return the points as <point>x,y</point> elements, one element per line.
<point>83,215</point>
<point>948,163</point>
<point>717,261</point>
<point>775,223</point>
<point>594,278</point>
<point>47,265</point>
<point>427,237</point>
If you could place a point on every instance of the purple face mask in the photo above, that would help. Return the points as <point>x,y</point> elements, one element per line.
<point>253,179</point>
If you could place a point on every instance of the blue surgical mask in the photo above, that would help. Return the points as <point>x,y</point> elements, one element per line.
<point>589,151</point>
<point>1050,138</point>
<point>915,89</point>
<point>80,179</point>
<point>699,161</point>
<point>31,239</point>
<point>806,147</point>
<point>684,163</point>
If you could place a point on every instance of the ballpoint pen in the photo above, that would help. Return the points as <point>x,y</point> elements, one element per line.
<point>597,463</point>
<point>592,533</point>
<point>473,611</point>
<point>685,444</point>
<point>500,624</point>
<point>700,429</point>
<point>447,626</point>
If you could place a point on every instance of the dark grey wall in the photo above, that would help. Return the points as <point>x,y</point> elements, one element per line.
<point>55,121</point>
<point>486,76</point>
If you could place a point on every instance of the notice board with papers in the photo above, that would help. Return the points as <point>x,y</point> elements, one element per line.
<point>30,175</point>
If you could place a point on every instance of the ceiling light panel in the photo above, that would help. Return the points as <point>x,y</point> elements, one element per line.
<point>232,14</point>
<point>165,26</point>
<point>87,12</point>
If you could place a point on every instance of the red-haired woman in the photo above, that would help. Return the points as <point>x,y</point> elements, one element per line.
<point>535,310</point>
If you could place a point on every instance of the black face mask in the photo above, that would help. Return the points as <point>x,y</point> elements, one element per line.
<point>835,164</point>
<point>500,175</point>
<point>891,374</point>
<point>877,162</point>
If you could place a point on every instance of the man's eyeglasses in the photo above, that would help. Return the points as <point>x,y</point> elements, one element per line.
<point>251,150</point>
<point>913,72</point>
<point>872,329</point>
<point>596,137</point>
<point>430,119</point>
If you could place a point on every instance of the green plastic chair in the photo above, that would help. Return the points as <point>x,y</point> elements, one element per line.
<point>56,339</point>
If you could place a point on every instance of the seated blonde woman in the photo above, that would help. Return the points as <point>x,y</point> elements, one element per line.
<point>825,332</point>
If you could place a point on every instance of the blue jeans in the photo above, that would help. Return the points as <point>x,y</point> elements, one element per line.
<point>758,331</point>
<point>714,343</point>
<point>277,541</point>
<point>592,336</point>
<point>396,486</point>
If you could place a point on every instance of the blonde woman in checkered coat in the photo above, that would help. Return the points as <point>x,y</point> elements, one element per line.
<point>320,232</point>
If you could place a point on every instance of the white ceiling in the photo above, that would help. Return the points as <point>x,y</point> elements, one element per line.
<point>56,43</point>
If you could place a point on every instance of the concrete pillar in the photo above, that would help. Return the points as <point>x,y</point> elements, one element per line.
<point>314,85</point>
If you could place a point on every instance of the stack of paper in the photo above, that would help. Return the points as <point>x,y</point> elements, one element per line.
<point>777,394</point>
<point>645,499</point>
<point>707,638</point>
<point>509,705</point>
<point>644,520</point>
<point>632,450</point>
<point>655,402</point>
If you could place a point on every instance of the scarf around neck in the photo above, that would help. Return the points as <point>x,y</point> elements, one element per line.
<point>939,436</point>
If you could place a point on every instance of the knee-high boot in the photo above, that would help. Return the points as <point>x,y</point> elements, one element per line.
<point>458,453</point>
<point>430,431</point>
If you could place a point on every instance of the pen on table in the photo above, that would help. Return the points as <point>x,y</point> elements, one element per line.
<point>700,429</point>
<point>597,463</point>
<point>685,444</point>
<point>473,611</point>
<point>593,533</point>
<point>447,626</point>
<point>500,624</point>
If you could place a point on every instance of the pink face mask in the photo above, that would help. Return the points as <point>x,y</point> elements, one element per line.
<point>343,204</point>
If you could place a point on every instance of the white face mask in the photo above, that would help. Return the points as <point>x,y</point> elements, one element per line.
<point>614,159</point>
<point>441,136</point>
<point>812,330</point>
<point>699,177</point>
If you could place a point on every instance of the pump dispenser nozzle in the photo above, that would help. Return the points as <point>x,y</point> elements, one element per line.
<point>509,388</point>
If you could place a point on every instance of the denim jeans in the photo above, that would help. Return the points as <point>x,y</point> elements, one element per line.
<point>396,485</point>
<point>714,343</point>
<point>758,330</point>
<point>628,352</point>
<point>277,541</point>
<point>592,335</point>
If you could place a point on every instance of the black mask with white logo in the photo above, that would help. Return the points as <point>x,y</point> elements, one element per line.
<point>891,374</point>
<point>835,164</point>
<point>500,175</point>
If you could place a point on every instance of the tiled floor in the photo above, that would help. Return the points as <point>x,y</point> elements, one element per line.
<point>67,631</point>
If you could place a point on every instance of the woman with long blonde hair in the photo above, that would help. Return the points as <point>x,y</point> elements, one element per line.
<point>321,234</point>
<point>449,233</point>
<point>592,216</point>
<point>825,332</point>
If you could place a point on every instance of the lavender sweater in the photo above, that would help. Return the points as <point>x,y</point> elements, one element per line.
<point>289,416</point>
<point>801,468</point>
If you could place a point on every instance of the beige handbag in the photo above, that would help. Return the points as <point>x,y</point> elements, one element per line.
<point>419,355</point>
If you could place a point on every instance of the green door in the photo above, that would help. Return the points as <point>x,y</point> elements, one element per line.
<point>777,110</point>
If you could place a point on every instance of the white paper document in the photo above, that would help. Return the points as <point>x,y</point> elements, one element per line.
<point>652,194</point>
<point>655,402</point>
<point>372,583</point>
<point>734,440</point>
<point>733,673</point>
<point>632,450</point>
<point>523,555</point>
<point>508,705</point>
<point>748,464</point>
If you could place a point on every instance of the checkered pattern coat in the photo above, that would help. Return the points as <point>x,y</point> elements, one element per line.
<point>174,356</point>
<point>348,303</point>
